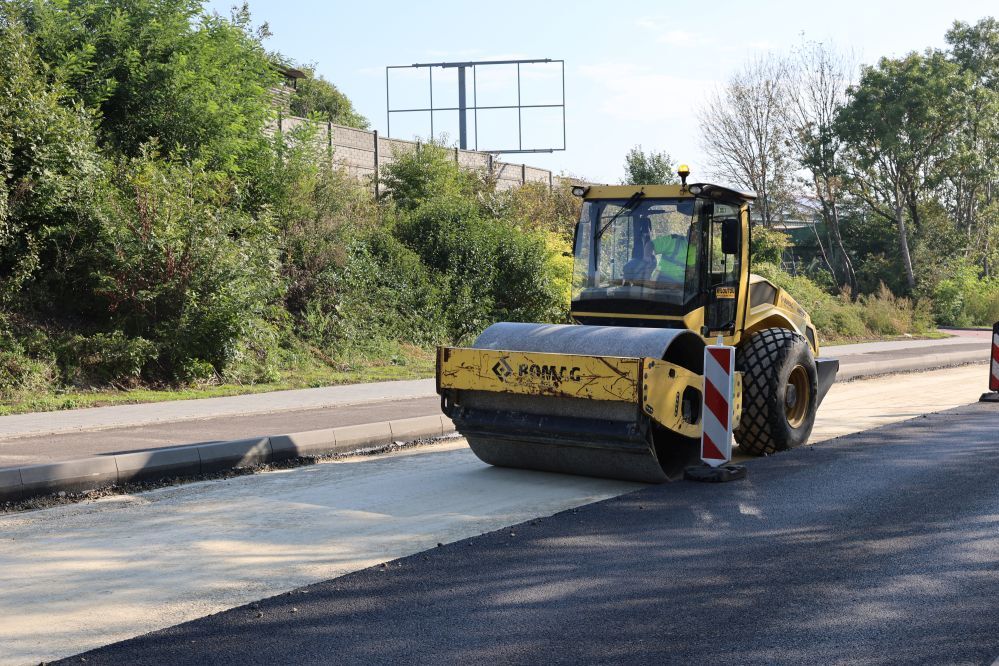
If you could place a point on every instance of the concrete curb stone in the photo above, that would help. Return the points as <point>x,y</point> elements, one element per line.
<point>89,473</point>
<point>69,475</point>
<point>416,428</point>
<point>308,443</point>
<point>157,463</point>
<point>350,438</point>
<point>11,487</point>
<point>234,454</point>
<point>923,363</point>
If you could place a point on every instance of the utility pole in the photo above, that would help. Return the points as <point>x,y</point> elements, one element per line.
<point>462,110</point>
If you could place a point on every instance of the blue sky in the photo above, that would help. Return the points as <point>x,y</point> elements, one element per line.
<point>635,72</point>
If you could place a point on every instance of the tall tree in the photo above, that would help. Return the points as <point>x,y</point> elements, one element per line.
<point>744,130</point>
<point>161,69</point>
<point>819,77</point>
<point>974,176</point>
<point>898,127</point>
<point>651,168</point>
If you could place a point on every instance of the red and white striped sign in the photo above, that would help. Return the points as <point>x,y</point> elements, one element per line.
<point>716,419</point>
<point>994,377</point>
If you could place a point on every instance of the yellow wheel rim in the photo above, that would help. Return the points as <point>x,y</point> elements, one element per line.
<point>797,397</point>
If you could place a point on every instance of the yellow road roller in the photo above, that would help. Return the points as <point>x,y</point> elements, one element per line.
<point>659,272</point>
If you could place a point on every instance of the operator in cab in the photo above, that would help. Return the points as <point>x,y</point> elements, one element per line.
<point>667,253</point>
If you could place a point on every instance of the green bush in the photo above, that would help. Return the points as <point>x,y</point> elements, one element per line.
<point>181,266</point>
<point>429,173</point>
<point>382,292</point>
<point>21,371</point>
<point>50,179</point>
<point>964,298</point>
<point>879,314</point>
<point>767,245</point>
<point>104,358</point>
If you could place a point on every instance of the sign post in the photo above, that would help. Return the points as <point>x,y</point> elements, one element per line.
<point>716,417</point>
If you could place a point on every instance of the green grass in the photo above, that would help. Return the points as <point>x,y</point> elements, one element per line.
<point>414,363</point>
<point>832,342</point>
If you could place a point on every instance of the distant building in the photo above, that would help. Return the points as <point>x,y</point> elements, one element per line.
<point>281,93</point>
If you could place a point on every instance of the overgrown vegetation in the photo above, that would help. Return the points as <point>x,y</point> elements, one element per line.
<point>153,235</point>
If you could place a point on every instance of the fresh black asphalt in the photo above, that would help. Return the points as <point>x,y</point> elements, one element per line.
<point>880,547</point>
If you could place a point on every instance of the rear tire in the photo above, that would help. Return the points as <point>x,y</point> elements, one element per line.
<point>779,392</point>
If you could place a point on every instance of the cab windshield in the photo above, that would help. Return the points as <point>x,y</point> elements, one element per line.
<point>658,257</point>
<point>638,249</point>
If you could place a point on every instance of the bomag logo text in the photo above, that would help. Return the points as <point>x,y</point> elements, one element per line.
<point>551,373</point>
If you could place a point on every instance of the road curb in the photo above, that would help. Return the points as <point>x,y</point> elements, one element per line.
<point>919,364</point>
<point>19,483</point>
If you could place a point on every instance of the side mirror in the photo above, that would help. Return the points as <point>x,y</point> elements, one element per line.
<point>730,236</point>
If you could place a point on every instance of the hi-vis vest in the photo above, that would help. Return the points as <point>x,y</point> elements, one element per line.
<point>674,257</point>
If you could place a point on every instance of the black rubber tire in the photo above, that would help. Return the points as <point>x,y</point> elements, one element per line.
<point>766,360</point>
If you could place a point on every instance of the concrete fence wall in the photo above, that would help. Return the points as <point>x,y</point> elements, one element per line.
<point>361,153</point>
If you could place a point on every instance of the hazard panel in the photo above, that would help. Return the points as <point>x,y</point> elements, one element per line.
<point>719,397</point>
<point>994,376</point>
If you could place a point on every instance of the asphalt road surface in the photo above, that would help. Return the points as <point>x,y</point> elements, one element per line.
<point>879,547</point>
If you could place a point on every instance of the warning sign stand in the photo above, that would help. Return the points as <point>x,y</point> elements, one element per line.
<point>993,394</point>
<point>716,418</point>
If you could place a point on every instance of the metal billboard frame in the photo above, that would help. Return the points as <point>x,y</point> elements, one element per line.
<point>463,107</point>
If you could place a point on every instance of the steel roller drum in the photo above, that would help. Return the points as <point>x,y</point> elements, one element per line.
<point>577,435</point>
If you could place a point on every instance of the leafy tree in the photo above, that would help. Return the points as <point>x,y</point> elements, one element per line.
<point>973,174</point>
<point>426,173</point>
<point>161,69</point>
<point>50,177</point>
<point>652,168</point>
<point>315,97</point>
<point>897,125</point>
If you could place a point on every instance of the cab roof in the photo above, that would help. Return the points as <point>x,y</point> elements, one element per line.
<point>709,190</point>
